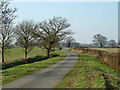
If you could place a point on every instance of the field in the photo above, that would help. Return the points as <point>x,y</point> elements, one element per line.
<point>111,50</point>
<point>90,73</point>
<point>18,52</point>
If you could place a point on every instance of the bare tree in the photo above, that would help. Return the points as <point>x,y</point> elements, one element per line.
<point>6,21</point>
<point>24,35</point>
<point>69,40</point>
<point>100,39</point>
<point>56,45</point>
<point>111,43</point>
<point>51,31</point>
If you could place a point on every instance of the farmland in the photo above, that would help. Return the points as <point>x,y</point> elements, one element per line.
<point>18,52</point>
<point>111,50</point>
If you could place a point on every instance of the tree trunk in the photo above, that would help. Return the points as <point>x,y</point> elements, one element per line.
<point>48,53</point>
<point>101,45</point>
<point>3,55</point>
<point>25,53</point>
<point>69,44</point>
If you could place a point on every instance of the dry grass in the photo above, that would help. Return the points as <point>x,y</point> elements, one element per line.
<point>111,50</point>
<point>110,59</point>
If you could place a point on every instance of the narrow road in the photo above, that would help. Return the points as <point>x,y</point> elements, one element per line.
<point>48,77</point>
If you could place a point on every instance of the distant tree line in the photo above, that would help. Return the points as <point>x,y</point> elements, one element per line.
<point>98,41</point>
<point>27,34</point>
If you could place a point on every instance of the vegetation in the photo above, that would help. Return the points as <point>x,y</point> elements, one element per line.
<point>16,72</point>
<point>6,30</point>
<point>24,61</point>
<point>90,73</point>
<point>16,53</point>
<point>24,37</point>
<point>111,43</point>
<point>100,39</point>
<point>111,50</point>
<point>63,48</point>
<point>87,73</point>
<point>69,40</point>
<point>69,49</point>
<point>27,34</point>
<point>51,31</point>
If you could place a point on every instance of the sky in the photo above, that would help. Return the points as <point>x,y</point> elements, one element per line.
<point>86,18</point>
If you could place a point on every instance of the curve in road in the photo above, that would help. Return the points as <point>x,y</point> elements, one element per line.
<point>48,77</point>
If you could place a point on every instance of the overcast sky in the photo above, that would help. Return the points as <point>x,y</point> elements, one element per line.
<point>86,18</point>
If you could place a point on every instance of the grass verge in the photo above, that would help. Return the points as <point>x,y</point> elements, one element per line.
<point>90,73</point>
<point>16,72</point>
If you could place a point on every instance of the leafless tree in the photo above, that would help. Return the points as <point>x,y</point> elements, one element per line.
<point>56,45</point>
<point>51,31</point>
<point>69,40</point>
<point>111,43</point>
<point>24,35</point>
<point>100,39</point>
<point>6,21</point>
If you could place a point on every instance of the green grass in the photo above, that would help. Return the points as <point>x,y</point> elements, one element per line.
<point>63,48</point>
<point>111,50</point>
<point>16,72</point>
<point>18,52</point>
<point>69,49</point>
<point>89,73</point>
